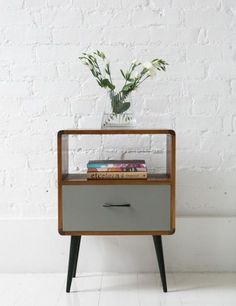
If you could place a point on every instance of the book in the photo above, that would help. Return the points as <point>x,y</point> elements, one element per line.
<point>116,165</point>
<point>115,169</point>
<point>116,175</point>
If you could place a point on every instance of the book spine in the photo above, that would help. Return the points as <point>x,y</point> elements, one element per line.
<point>116,175</point>
<point>116,170</point>
<point>109,165</point>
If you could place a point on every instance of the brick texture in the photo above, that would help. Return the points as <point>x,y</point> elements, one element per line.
<point>44,88</point>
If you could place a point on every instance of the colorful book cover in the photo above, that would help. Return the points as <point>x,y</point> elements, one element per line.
<point>117,165</point>
<point>115,169</point>
<point>116,175</point>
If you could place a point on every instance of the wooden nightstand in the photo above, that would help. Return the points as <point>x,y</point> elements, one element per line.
<point>115,207</point>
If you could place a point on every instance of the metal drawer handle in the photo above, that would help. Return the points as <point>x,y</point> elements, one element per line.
<point>116,205</point>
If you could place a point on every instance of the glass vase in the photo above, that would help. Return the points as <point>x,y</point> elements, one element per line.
<point>118,112</point>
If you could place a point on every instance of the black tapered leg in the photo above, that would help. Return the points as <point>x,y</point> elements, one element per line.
<point>71,264</point>
<point>160,258</point>
<point>76,255</point>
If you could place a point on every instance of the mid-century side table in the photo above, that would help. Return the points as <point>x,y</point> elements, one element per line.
<point>115,207</point>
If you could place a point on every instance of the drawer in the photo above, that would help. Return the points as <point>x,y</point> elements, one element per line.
<point>83,208</point>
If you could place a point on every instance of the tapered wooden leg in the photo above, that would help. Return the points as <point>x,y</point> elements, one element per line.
<point>76,255</point>
<point>71,264</point>
<point>160,258</point>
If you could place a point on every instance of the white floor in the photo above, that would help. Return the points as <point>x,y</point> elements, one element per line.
<point>185,289</point>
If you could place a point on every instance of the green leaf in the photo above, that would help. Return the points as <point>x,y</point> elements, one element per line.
<point>119,108</point>
<point>123,74</point>
<point>107,83</point>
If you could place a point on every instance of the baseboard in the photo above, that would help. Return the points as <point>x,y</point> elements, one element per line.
<point>199,245</point>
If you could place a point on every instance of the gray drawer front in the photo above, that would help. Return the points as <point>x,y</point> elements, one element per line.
<point>149,211</point>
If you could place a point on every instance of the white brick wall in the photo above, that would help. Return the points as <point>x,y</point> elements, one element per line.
<point>44,88</point>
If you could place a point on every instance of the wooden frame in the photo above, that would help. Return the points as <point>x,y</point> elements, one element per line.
<point>64,178</point>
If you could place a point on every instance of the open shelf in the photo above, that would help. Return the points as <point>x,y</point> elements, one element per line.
<point>81,179</point>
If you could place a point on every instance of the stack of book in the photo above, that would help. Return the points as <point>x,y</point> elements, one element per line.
<point>116,169</point>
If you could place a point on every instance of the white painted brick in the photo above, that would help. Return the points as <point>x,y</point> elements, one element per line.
<point>98,18</point>
<point>58,53</point>
<point>210,142</point>
<point>127,142</point>
<point>207,18</point>
<point>71,72</point>
<point>161,87</point>
<point>130,4</point>
<point>199,159</point>
<point>82,105</point>
<point>157,121</point>
<point>12,161</point>
<point>4,72</point>
<point>159,104</point>
<point>59,3</point>
<point>14,55</point>
<point>89,121</point>
<point>32,106</point>
<point>233,85</point>
<point>25,36</point>
<point>29,144</point>
<point>35,4</point>
<point>10,17</point>
<point>116,53</point>
<point>107,4</point>
<point>181,105</point>
<point>14,89</point>
<point>174,36</point>
<point>188,141</point>
<point>229,53</point>
<point>87,142</point>
<point>82,36</point>
<point>33,71</point>
<point>59,106</point>
<point>205,105</point>
<point>10,106</point>
<point>88,5</point>
<point>159,4</point>
<point>11,4</point>
<point>218,35</point>
<point>56,88</point>
<point>212,87</point>
<point>226,70</point>
<point>120,17</point>
<point>44,88</point>
<point>196,123</point>
<point>228,4</point>
<point>61,17</point>
<point>90,86</point>
<point>184,71</point>
<point>186,4</point>
<point>204,53</point>
<point>160,17</point>
<point>170,54</point>
<point>38,161</point>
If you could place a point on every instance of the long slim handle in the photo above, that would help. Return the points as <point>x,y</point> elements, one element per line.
<point>116,205</point>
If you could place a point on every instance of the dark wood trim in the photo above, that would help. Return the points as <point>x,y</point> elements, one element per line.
<point>101,132</point>
<point>59,181</point>
<point>80,179</point>
<point>173,180</point>
<point>120,233</point>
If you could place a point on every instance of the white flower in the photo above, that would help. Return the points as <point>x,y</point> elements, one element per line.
<point>135,62</point>
<point>152,71</point>
<point>147,65</point>
<point>136,75</point>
